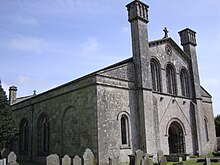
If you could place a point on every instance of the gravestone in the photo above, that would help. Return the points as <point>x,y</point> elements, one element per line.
<point>4,153</point>
<point>77,160</point>
<point>138,156</point>
<point>88,157</point>
<point>159,155</point>
<point>3,161</point>
<point>207,161</point>
<point>12,159</point>
<point>66,160</point>
<point>53,159</point>
<point>146,161</point>
<point>114,160</point>
<point>154,158</point>
<point>163,161</point>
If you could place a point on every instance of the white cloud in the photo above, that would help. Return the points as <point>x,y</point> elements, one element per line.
<point>24,80</point>
<point>26,43</point>
<point>27,84</point>
<point>125,29</point>
<point>90,46</point>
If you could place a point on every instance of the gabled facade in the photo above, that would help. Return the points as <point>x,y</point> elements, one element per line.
<point>152,101</point>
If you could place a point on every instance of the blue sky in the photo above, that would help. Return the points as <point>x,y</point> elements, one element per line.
<point>46,43</point>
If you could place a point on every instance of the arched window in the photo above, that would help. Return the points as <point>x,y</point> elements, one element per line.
<point>43,134</point>
<point>155,73</point>
<point>23,137</point>
<point>124,130</point>
<point>206,129</point>
<point>184,79</point>
<point>171,79</point>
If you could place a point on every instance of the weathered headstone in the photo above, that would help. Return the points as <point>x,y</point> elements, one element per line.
<point>163,161</point>
<point>3,161</point>
<point>207,161</point>
<point>159,155</point>
<point>154,158</point>
<point>114,160</point>
<point>53,159</point>
<point>77,160</point>
<point>12,159</point>
<point>146,161</point>
<point>88,157</point>
<point>139,154</point>
<point>4,153</point>
<point>66,160</point>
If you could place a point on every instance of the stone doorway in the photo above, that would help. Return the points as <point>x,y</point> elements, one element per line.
<point>176,139</point>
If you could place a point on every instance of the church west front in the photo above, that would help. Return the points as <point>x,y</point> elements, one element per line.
<point>151,101</point>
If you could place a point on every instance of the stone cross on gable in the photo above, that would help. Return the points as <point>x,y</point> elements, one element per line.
<point>165,32</point>
<point>34,92</point>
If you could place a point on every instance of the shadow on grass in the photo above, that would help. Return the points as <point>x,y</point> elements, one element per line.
<point>26,162</point>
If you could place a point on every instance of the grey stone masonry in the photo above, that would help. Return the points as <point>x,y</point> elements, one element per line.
<point>159,155</point>
<point>138,17</point>
<point>12,94</point>
<point>141,11</point>
<point>207,161</point>
<point>114,160</point>
<point>188,41</point>
<point>12,159</point>
<point>138,156</point>
<point>188,36</point>
<point>88,157</point>
<point>53,159</point>
<point>147,161</point>
<point>77,160</point>
<point>163,161</point>
<point>66,160</point>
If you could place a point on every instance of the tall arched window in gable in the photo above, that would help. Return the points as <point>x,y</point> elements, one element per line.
<point>125,140</point>
<point>43,134</point>
<point>184,82</point>
<point>155,73</point>
<point>23,137</point>
<point>171,79</point>
<point>206,129</point>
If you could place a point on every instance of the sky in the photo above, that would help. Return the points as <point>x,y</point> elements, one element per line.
<point>46,43</point>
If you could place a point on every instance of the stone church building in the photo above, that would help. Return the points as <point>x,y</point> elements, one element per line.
<point>151,101</point>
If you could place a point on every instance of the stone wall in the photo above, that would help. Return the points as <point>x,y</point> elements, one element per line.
<point>210,143</point>
<point>115,98</point>
<point>72,117</point>
<point>112,103</point>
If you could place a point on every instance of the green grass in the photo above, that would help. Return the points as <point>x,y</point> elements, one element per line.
<point>193,163</point>
<point>169,163</point>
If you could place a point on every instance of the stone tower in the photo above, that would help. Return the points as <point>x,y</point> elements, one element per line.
<point>188,41</point>
<point>12,94</point>
<point>138,18</point>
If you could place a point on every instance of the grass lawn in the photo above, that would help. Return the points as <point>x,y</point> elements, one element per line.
<point>193,163</point>
<point>169,163</point>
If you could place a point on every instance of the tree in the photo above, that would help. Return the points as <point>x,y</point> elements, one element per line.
<point>8,132</point>
<point>217,125</point>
